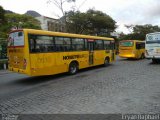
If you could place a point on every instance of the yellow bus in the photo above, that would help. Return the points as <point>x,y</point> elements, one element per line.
<point>38,52</point>
<point>132,49</point>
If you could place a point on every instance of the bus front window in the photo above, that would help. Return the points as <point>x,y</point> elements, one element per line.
<point>153,38</point>
<point>126,44</point>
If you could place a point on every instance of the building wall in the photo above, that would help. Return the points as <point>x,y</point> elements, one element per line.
<point>51,24</point>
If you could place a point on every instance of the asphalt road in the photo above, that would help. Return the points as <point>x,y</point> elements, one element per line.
<point>126,86</point>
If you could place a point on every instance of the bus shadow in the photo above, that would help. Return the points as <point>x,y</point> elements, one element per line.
<point>129,59</point>
<point>40,79</point>
<point>94,68</point>
<point>151,63</point>
<point>57,77</point>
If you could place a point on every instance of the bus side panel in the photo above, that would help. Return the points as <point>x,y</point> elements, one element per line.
<point>82,57</point>
<point>54,63</point>
<point>47,64</point>
<point>99,56</point>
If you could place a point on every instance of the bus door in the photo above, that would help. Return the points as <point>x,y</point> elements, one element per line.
<point>138,49</point>
<point>112,44</point>
<point>91,51</point>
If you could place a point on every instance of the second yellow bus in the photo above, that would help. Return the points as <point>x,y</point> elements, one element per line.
<point>132,49</point>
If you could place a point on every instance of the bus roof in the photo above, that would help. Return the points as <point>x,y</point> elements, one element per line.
<point>132,40</point>
<point>153,33</point>
<point>44,32</point>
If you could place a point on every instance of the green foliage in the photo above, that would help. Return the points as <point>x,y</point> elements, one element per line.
<point>2,17</point>
<point>17,21</point>
<point>76,22</point>
<point>22,21</point>
<point>140,31</point>
<point>3,48</point>
<point>91,22</point>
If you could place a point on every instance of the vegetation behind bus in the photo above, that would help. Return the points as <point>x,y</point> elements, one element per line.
<point>3,52</point>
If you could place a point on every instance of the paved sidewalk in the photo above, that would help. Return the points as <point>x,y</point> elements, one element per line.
<point>4,72</point>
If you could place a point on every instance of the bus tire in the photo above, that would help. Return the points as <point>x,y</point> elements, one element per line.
<point>73,68</point>
<point>106,62</point>
<point>142,56</point>
<point>154,61</point>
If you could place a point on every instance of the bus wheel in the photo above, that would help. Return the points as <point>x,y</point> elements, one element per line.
<point>154,61</point>
<point>73,68</point>
<point>106,62</point>
<point>142,56</point>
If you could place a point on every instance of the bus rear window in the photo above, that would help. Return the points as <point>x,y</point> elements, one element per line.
<point>16,39</point>
<point>126,44</point>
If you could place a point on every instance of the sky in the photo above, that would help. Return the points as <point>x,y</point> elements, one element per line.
<point>124,12</point>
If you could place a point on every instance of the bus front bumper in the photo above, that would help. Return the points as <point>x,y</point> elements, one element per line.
<point>17,70</point>
<point>152,57</point>
<point>127,55</point>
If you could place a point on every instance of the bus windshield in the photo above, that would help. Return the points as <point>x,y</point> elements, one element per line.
<point>126,44</point>
<point>153,38</point>
<point>16,39</point>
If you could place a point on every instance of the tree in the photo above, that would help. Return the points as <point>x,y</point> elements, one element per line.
<point>60,5</point>
<point>2,22</point>
<point>18,21</point>
<point>140,31</point>
<point>101,23</point>
<point>77,22</point>
<point>91,22</point>
<point>129,27</point>
<point>22,21</point>
<point>2,15</point>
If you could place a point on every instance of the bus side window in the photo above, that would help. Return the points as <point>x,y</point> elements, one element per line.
<point>41,43</point>
<point>32,43</point>
<point>99,45</point>
<point>107,45</point>
<point>63,44</point>
<point>138,45</point>
<point>142,45</point>
<point>78,44</point>
<point>112,45</point>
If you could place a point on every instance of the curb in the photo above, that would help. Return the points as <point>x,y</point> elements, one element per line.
<point>4,72</point>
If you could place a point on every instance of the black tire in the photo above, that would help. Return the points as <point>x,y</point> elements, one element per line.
<point>106,62</point>
<point>154,61</point>
<point>73,68</point>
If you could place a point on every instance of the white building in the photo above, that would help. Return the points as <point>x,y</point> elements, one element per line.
<point>51,24</point>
